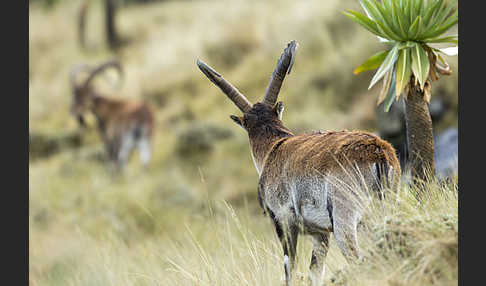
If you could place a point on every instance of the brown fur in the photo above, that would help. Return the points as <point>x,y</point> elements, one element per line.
<point>329,150</point>
<point>122,124</point>
<point>324,151</point>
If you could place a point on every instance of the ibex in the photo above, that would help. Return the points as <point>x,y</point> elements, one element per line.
<point>306,182</point>
<point>122,124</point>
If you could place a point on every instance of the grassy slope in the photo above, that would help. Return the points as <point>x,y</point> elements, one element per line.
<point>170,225</point>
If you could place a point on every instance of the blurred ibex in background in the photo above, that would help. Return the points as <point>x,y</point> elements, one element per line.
<point>122,124</point>
<point>309,183</point>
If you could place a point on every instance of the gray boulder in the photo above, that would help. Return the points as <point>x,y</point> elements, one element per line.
<point>446,153</point>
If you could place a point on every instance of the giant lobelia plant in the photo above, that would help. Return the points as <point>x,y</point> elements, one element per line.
<point>410,64</point>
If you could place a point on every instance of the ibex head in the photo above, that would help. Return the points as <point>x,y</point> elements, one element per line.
<point>265,113</point>
<point>83,93</point>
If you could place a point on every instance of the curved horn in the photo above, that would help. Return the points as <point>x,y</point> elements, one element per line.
<point>284,65</point>
<point>237,97</point>
<point>74,72</point>
<point>113,63</point>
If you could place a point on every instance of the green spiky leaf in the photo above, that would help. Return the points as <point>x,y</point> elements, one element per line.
<point>385,66</point>
<point>370,10</point>
<point>408,11</point>
<point>418,7</point>
<point>401,18</point>
<point>388,19</point>
<point>372,62</point>
<point>406,20</point>
<point>364,21</point>
<point>388,4</point>
<point>430,11</point>
<point>408,44</point>
<point>385,87</point>
<point>445,12</point>
<point>420,64</point>
<point>390,98</point>
<point>409,25</point>
<point>403,70</point>
<point>451,21</point>
<point>388,32</point>
<point>414,28</point>
<point>450,39</point>
<point>413,10</point>
<point>439,16</point>
<point>375,14</point>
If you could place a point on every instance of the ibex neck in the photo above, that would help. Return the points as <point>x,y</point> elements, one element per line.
<point>103,108</point>
<point>262,141</point>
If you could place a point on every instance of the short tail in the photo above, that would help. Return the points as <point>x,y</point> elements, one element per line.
<point>388,172</point>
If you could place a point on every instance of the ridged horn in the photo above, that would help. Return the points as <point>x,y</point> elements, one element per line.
<point>284,66</point>
<point>236,96</point>
<point>75,71</point>
<point>113,64</point>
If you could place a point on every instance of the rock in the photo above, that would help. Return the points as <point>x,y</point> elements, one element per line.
<point>446,153</point>
<point>199,139</point>
<point>43,145</point>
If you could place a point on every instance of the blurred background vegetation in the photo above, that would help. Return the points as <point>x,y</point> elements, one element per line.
<point>86,224</point>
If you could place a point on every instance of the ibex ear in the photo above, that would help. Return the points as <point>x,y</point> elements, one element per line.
<point>237,120</point>
<point>279,108</point>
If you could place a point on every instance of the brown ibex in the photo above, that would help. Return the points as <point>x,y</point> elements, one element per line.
<point>122,124</point>
<point>307,182</point>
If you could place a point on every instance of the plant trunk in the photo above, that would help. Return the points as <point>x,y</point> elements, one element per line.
<point>82,24</point>
<point>420,136</point>
<point>111,34</point>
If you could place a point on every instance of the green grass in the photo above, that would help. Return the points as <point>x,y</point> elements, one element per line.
<point>192,218</point>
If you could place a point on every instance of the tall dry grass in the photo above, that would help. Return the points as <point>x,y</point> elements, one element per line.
<point>404,241</point>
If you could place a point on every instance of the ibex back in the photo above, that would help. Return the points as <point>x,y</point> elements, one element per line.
<point>122,124</point>
<point>311,183</point>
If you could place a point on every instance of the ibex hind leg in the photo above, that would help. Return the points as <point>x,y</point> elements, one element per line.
<point>126,146</point>
<point>142,136</point>
<point>113,149</point>
<point>345,231</point>
<point>289,245</point>
<point>288,235</point>
<point>145,150</point>
<point>320,243</point>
